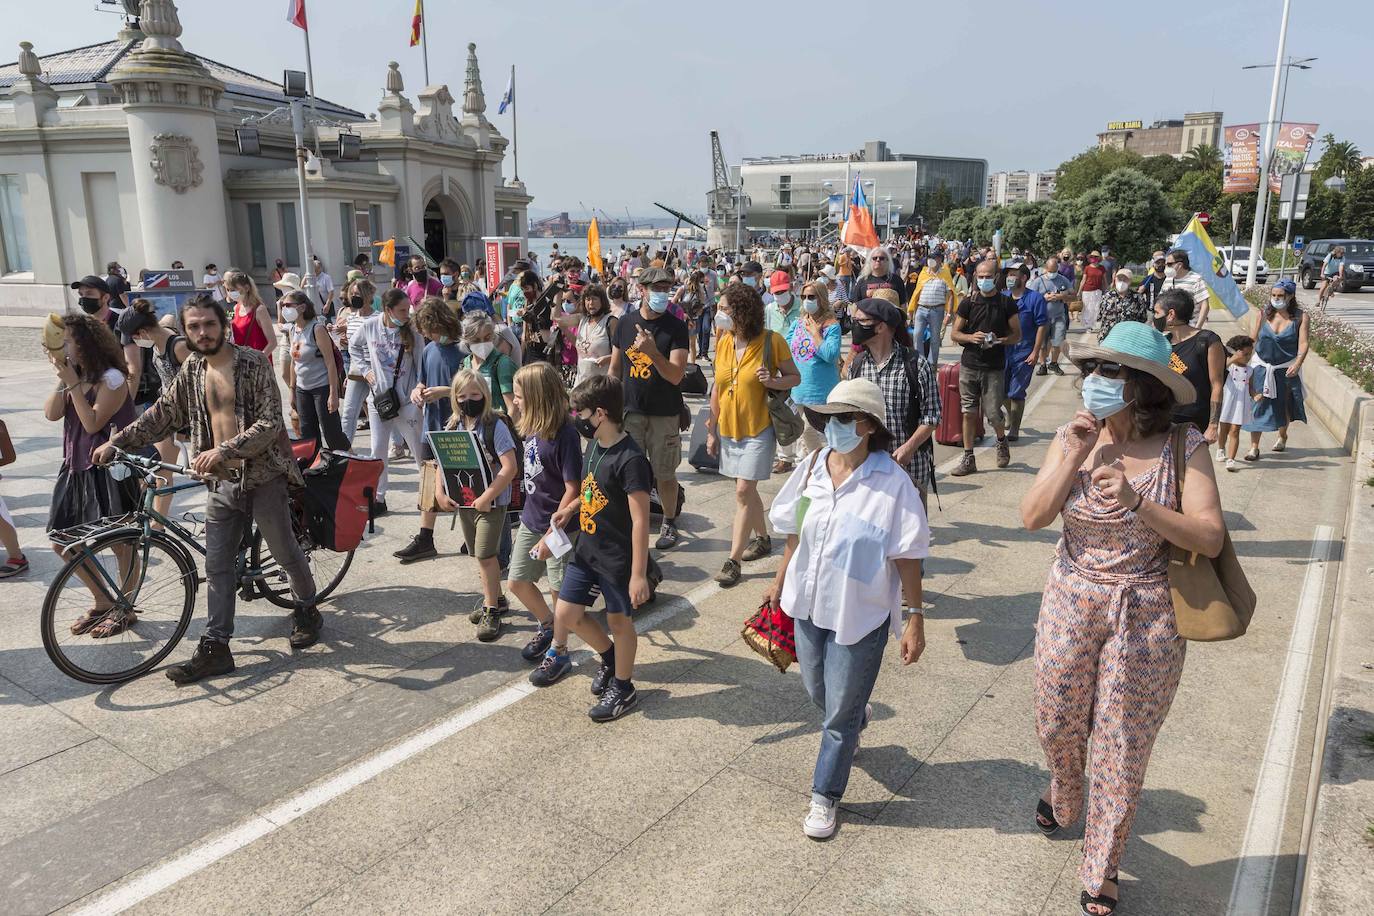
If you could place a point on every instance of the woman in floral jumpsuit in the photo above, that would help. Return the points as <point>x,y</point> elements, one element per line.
<point>1107,654</point>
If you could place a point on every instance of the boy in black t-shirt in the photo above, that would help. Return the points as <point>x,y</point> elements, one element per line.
<point>610,549</point>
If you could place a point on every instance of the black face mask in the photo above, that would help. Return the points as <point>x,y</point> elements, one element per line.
<point>584,427</point>
<point>420,276</point>
<point>356,301</point>
<point>1161,321</point>
<point>89,304</point>
<point>474,408</point>
<point>862,334</point>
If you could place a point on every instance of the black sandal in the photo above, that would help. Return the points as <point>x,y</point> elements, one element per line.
<point>1086,900</point>
<point>1044,818</point>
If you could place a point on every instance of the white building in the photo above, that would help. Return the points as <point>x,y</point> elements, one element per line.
<point>125,151</point>
<point>1009,187</point>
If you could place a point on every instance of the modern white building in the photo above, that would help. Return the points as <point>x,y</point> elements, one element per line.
<point>126,151</point>
<point>1010,187</point>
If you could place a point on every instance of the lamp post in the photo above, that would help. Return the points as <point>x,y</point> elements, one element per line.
<point>872,207</point>
<point>1270,141</point>
<point>292,82</point>
<point>887,216</point>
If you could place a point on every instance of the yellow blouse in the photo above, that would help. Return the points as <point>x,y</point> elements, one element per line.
<point>743,399</point>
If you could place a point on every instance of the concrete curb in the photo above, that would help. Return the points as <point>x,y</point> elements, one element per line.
<point>1338,875</point>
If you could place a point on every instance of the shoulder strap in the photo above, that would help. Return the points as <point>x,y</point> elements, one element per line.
<point>768,351</point>
<point>1180,459</point>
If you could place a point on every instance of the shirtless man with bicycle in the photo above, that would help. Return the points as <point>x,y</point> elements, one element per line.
<point>228,397</point>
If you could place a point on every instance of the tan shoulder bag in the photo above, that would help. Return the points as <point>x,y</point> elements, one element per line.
<point>1213,600</point>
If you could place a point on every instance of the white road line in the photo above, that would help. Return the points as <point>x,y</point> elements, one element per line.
<point>1260,850</point>
<point>259,826</point>
<point>1031,404</point>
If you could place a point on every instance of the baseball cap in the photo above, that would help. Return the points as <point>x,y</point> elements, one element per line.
<point>131,321</point>
<point>1125,272</point>
<point>752,267</point>
<point>779,282</point>
<point>93,282</point>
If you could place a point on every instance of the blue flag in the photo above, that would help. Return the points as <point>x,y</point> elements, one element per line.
<point>509,98</point>
<point>1211,266</point>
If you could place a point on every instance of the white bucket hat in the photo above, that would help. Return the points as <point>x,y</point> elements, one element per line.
<point>852,395</point>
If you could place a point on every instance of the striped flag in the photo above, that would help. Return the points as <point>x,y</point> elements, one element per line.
<point>416,22</point>
<point>295,14</point>
<point>858,230</point>
<point>509,98</point>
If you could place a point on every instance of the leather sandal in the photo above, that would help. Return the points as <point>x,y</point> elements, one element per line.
<point>1108,904</point>
<point>112,625</point>
<point>1044,818</point>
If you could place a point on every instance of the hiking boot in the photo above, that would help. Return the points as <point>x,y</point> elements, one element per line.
<point>489,624</point>
<point>1042,369</point>
<point>604,675</point>
<point>305,626</point>
<point>667,536</point>
<point>539,644</point>
<point>551,670</point>
<point>614,703</point>
<point>967,466</point>
<point>1003,453</point>
<point>419,548</point>
<point>211,658</point>
<point>502,607</point>
<point>1054,367</point>
<point>760,547</point>
<point>729,573</point>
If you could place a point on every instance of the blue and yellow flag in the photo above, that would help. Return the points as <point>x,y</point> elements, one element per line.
<point>1211,266</point>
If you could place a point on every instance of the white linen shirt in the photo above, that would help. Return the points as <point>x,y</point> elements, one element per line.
<point>841,577</point>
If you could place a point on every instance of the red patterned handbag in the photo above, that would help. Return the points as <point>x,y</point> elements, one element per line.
<point>770,633</point>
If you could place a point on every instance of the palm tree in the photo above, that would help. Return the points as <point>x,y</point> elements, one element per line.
<point>1345,157</point>
<point>1204,156</point>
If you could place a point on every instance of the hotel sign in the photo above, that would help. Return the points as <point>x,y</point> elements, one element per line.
<point>1124,125</point>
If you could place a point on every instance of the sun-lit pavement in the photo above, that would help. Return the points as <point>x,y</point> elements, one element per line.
<point>693,803</point>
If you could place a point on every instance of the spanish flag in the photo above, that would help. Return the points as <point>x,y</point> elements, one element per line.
<point>858,231</point>
<point>415,22</point>
<point>594,247</point>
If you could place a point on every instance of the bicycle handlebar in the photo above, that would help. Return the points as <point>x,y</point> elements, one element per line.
<point>149,464</point>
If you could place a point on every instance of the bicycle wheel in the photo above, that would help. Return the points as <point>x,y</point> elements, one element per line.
<point>152,585</point>
<point>326,566</point>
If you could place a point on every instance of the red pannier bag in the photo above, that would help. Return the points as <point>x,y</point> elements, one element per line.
<point>339,491</point>
<point>771,634</point>
<point>951,428</point>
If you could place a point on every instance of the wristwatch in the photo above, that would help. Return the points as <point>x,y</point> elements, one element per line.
<point>909,612</point>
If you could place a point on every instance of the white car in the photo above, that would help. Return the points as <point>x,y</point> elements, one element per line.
<point>1238,261</point>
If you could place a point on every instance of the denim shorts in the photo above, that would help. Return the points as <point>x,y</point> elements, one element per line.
<point>579,587</point>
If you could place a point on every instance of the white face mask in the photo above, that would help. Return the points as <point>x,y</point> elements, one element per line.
<point>235,295</point>
<point>724,321</point>
<point>1122,286</point>
<point>482,350</point>
<point>1280,304</point>
<point>289,314</point>
<point>1171,272</point>
<point>782,299</point>
<point>144,343</point>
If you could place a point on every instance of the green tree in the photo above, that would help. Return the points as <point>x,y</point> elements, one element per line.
<point>1127,212</point>
<point>1023,222</point>
<point>1325,214</point>
<point>958,223</point>
<point>1198,191</point>
<point>941,202</point>
<point>1054,228</point>
<point>1164,169</point>
<point>1358,219</point>
<point>1086,170</point>
<point>1204,156</point>
<point>1339,157</point>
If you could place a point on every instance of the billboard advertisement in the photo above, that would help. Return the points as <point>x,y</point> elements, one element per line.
<point>1240,158</point>
<point>1290,152</point>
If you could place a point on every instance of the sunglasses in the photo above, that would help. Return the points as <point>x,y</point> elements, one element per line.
<point>847,417</point>
<point>1102,368</point>
<point>1170,263</point>
<point>877,259</point>
<point>808,298</point>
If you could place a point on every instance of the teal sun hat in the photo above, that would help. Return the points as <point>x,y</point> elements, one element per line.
<point>1137,346</point>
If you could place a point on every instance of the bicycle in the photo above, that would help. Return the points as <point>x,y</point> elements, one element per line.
<point>1330,285</point>
<point>149,579</point>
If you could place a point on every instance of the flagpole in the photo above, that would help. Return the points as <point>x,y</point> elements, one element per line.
<point>310,87</point>
<point>514,124</point>
<point>424,44</point>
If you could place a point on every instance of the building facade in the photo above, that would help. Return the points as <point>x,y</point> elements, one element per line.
<point>126,151</point>
<point>1012,187</point>
<point>1164,138</point>
<point>791,193</point>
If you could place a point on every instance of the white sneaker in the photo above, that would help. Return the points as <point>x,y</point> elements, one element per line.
<point>1231,464</point>
<point>1221,454</point>
<point>820,821</point>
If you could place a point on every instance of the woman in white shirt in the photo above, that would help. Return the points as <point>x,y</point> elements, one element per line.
<point>856,535</point>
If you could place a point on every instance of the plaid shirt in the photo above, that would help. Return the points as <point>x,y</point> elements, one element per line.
<point>891,378</point>
<point>261,442</point>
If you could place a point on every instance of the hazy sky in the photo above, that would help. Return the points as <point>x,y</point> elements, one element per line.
<point>616,98</point>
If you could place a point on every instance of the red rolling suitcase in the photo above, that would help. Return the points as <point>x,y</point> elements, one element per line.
<point>951,428</point>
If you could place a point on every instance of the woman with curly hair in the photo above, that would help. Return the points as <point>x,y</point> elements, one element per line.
<point>92,399</point>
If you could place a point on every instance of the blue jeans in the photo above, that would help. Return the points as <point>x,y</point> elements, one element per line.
<point>840,680</point>
<point>934,318</point>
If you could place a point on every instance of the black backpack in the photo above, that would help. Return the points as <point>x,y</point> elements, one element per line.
<point>517,488</point>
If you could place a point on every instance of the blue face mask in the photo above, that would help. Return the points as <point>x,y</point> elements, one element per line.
<point>446,279</point>
<point>843,437</point>
<point>751,281</point>
<point>658,302</point>
<point>987,284</point>
<point>1103,396</point>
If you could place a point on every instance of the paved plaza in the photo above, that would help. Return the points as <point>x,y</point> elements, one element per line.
<point>401,766</point>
